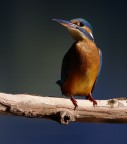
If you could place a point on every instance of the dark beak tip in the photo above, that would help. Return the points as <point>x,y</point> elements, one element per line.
<point>64,23</point>
<point>59,20</point>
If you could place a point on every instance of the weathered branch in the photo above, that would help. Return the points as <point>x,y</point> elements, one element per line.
<point>62,110</point>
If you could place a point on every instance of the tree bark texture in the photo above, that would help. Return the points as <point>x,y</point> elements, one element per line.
<point>62,109</point>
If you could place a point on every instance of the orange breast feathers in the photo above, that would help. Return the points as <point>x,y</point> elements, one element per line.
<point>83,71</point>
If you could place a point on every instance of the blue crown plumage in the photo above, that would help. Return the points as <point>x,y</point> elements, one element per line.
<point>85,22</point>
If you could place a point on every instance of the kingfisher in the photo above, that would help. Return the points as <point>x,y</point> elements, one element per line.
<point>82,63</point>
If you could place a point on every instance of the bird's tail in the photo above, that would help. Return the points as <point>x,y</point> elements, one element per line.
<point>59,82</point>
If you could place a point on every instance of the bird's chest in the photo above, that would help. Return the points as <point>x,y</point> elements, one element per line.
<point>84,58</point>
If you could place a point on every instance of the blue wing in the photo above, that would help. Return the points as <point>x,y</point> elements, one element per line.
<point>100,54</point>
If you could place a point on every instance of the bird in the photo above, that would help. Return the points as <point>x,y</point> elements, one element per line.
<point>82,63</point>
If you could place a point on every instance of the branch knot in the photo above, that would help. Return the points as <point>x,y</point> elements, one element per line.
<point>64,117</point>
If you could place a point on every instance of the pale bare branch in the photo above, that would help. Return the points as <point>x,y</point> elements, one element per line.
<point>62,109</point>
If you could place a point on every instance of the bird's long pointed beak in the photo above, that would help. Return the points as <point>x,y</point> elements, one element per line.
<point>65,23</point>
<point>76,31</point>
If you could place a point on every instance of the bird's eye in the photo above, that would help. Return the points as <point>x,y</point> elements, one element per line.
<point>78,23</point>
<point>81,24</point>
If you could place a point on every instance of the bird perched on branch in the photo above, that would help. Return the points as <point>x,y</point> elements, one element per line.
<point>82,63</point>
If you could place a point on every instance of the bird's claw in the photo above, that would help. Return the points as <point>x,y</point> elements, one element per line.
<point>90,98</point>
<point>74,102</point>
<point>94,103</point>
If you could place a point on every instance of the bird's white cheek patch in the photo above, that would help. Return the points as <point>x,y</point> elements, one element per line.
<point>91,35</point>
<point>76,34</point>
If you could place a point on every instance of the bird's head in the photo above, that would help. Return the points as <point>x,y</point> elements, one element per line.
<point>78,27</point>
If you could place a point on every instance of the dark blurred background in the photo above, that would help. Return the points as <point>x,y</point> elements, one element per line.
<point>31,50</point>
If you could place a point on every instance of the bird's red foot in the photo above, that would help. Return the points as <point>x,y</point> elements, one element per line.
<point>90,98</point>
<point>74,102</point>
<point>94,103</point>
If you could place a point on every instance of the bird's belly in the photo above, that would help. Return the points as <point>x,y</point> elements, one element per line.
<point>80,83</point>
